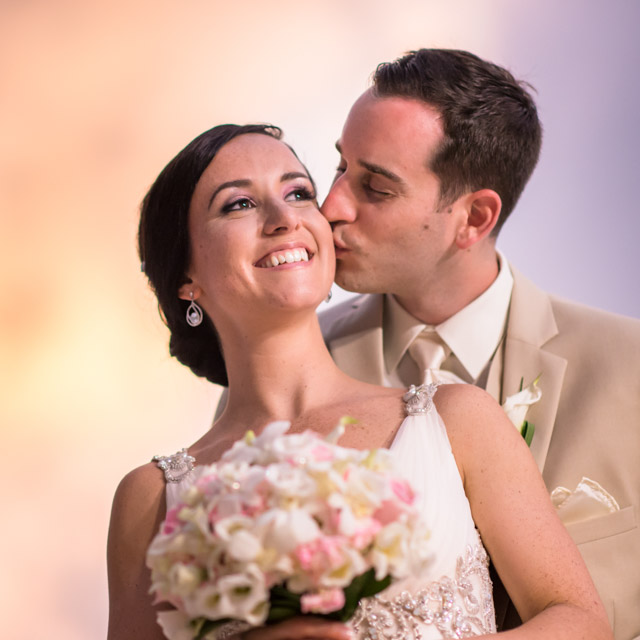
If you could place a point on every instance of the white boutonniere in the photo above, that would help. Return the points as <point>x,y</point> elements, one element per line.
<point>517,405</point>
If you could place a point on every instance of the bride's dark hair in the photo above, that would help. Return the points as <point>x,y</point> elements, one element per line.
<point>165,248</point>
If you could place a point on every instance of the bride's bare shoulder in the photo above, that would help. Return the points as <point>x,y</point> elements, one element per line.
<point>449,396</point>
<point>143,479</point>
<point>466,401</point>
<point>140,493</point>
<point>138,509</point>
<point>471,415</point>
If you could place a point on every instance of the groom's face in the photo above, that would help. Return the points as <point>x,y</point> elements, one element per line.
<point>389,229</point>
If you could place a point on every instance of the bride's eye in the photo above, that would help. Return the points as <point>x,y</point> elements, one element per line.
<point>300,194</point>
<point>238,205</point>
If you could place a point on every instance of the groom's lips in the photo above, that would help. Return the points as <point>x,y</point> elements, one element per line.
<point>341,249</point>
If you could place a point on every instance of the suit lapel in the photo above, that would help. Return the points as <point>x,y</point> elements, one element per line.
<point>359,349</point>
<point>494,380</point>
<point>530,326</point>
<point>526,362</point>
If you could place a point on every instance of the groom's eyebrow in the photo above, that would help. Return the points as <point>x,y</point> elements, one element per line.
<point>375,168</point>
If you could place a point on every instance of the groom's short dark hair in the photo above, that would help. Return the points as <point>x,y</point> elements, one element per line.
<point>492,134</point>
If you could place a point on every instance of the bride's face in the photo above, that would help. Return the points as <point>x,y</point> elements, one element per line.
<point>258,239</point>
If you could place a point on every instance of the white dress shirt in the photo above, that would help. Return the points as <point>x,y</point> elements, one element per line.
<point>472,334</point>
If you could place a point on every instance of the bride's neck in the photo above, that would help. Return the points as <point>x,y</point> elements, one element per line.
<point>278,370</point>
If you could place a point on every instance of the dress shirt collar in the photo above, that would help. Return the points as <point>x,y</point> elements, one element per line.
<point>472,347</point>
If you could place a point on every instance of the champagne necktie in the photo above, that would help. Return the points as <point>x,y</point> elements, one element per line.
<point>429,351</point>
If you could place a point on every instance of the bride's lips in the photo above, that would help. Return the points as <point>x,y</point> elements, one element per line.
<point>286,254</point>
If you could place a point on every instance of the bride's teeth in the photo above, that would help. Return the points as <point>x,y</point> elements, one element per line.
<point>295,255</point>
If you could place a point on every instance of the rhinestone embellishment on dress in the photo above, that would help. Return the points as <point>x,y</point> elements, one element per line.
<point>419,399</point>
<point>449,605</point>
<point>176,466</point>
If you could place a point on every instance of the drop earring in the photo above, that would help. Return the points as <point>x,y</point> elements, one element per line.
<point>194,312</point>
<point>328,298</point>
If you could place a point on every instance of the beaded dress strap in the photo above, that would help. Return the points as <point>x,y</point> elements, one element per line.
<point>177,466</point>
<point>419,400</point>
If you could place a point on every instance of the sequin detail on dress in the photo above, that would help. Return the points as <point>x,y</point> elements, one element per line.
<point>175,467</point>
<point>229,630</point>
<point>449,605</point>
<point>419,400</point>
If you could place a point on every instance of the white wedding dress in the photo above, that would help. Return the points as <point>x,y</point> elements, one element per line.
<point>455,599</point>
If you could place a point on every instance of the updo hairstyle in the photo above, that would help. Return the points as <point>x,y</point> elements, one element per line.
<point>165,249</point>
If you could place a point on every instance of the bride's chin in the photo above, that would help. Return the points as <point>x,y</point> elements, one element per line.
<point>296,301</point>
<point>311,303</point>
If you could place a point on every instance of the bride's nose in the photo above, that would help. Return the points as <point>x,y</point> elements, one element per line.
<point>280,217</point>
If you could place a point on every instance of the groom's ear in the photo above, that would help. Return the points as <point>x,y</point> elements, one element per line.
<point>482,213</point>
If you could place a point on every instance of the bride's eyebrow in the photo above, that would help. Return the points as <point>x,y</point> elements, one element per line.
<point>228,185</point>
<point>292,175</point>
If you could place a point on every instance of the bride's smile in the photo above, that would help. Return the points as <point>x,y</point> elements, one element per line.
<point>284,256</point>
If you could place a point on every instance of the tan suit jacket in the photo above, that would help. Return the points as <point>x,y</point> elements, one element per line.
<point>586,424</point>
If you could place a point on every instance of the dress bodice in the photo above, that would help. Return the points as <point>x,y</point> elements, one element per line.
<point>455,599</point>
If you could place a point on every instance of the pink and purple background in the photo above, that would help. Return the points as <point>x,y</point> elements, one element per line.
<point>95,97</point>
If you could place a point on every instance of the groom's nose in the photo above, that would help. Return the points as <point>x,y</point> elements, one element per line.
<point>339,205</point>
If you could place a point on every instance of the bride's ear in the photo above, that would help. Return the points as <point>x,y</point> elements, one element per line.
<point>189,291</point>
<point>483,210</point>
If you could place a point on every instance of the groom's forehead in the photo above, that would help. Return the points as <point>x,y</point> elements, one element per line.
<point>394,133</point>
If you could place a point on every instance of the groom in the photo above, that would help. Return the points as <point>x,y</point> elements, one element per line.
<point>433,158</point>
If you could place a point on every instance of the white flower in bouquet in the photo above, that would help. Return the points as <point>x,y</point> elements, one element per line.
<point>283,525</point>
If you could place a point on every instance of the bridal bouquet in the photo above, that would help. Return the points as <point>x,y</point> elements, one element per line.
<point>283,525</point>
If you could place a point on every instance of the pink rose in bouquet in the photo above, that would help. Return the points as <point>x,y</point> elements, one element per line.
<point>283,525</point>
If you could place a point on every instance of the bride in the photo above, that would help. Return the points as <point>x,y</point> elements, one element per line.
<point>231,227</point>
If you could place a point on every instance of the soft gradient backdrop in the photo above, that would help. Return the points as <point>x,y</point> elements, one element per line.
<point>95,98</point>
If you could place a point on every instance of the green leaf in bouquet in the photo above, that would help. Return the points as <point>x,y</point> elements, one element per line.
<point>363,586</point>
<point>283,604</point>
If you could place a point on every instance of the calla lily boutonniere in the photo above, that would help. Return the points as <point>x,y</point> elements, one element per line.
<point>517,405</point>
